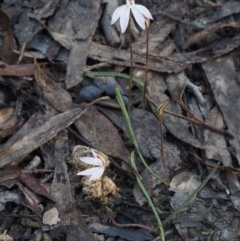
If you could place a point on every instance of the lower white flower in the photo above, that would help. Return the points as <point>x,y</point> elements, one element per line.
<point>95,172</point>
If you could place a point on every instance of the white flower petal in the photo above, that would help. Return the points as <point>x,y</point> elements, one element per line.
<point>92,161</point>
<point>138,17</point>
<point>143,10</point>
<point>124,19</point>
<point>97,174</point>
<point>89,171</point>
<point>117,13</point>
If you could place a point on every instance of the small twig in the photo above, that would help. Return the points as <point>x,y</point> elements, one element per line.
<point>82,139</point>
<point>220,168</point>
<point>128,225</point>
<point>195,121</point>
<point>196,92</point>
<point>161,109</point>
<point>97,66</point>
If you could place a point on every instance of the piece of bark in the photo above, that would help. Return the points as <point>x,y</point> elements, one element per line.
<point>61,188</point>
<point>70,218</point>
<point>41,133</point>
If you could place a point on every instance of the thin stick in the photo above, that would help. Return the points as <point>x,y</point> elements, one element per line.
<point>128,225</point>
<point>146,71</point>
<point>131,66</point>
<point>195,121</point>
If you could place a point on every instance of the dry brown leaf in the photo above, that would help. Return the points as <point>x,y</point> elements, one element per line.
<point>27,29</point>
<point>121,57</point>
<point>227,9</point>
<point>107,135</point>
<point>221,74</point>
<point>8,41</point>
<point>31,199</point>
<point>59,98</point>
<point>84,16</point>
<point>35,137</point>
<point>29,180</point>
<point>183,184</point>
<point>225,46</point>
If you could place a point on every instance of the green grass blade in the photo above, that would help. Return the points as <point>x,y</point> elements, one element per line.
<point>131,134</point>
<point>148,197</point>
<point>191,196</point>
<point>112,74</point>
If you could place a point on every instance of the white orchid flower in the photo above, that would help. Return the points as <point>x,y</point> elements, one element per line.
<point>95,172</point>
<point>140,13</point>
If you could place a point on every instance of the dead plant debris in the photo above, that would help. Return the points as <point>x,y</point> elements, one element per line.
<point>191,121</point>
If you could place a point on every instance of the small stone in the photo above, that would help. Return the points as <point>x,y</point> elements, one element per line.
<point>51,217</point>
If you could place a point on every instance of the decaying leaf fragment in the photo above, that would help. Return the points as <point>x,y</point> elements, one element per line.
<point>29,180</point>
<point>10,119</point>
<point>31,199</point>
<point>40,134</point>
<point>221,74</point>
<point>107,135</point>
<point>183,184</point>
<point>59,98</point>
<point>227,9</point>
<point>8,41</point>
<point>99,188</point>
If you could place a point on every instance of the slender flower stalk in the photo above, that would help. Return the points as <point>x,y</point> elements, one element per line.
<point>140,14</point>
<point>131,67</point>
<point>146,69</point>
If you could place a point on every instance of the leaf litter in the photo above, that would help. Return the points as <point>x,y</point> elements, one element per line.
<point>46,47</point>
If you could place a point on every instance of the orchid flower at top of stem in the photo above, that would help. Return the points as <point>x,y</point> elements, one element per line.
<point>139,12</point>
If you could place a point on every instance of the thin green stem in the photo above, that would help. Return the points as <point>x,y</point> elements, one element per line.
<point>146,71</point>
<point>148,198</point>
<point>131,135</point>
<point>114,74</point>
